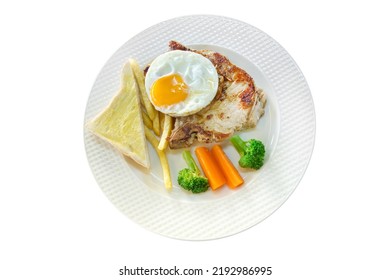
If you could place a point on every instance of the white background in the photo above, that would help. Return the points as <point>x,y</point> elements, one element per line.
<point>57,224</point>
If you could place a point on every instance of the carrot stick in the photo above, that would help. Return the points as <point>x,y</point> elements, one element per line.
<point>210,168</point>
<point>233,177</point>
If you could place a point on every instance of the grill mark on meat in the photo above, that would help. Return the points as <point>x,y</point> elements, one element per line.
<point>173,45</point>
<point>247,98</point>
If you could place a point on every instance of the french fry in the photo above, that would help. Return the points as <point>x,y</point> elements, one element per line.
<point>166,132</point>
<point>161,116</point>
<point>139,76</point>
<point>163,158</point>
<point>147,121</point>
<point>156,125</point>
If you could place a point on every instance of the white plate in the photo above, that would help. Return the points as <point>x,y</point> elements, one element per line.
<point>287,130</point>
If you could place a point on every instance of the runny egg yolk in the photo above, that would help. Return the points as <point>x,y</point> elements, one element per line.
<point>168,90</point>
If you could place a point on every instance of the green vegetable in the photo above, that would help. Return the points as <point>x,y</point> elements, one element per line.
<point>252,152</point>
<point>190,178</point>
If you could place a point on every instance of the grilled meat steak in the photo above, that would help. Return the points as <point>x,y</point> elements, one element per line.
<point>237,105</point>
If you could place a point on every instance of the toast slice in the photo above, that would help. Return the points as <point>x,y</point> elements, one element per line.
<point>121,124</point>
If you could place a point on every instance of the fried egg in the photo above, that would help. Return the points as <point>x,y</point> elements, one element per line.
<point>181,83</point>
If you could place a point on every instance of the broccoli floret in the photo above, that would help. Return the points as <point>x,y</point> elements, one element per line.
<point>190,178</point>
<point>252,152</point>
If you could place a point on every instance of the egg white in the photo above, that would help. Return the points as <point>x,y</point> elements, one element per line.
<point>197,72</point>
